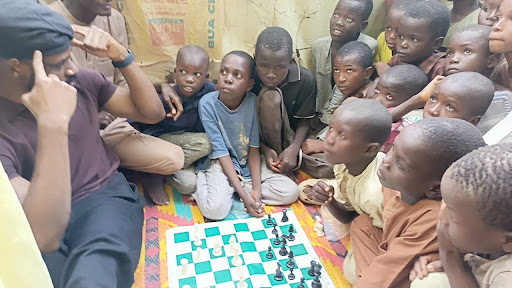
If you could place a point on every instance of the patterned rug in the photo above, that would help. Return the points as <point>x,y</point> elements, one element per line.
<point>152,270</point>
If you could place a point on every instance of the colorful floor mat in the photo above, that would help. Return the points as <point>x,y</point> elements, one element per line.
<point>152,269</point>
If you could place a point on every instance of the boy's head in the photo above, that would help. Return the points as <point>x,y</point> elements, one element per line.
<point>421,31</point>
<point>353,66</point>
<point>396,11</point>
<point>464,95</point>
<point>399,83</point>
<point>421,154</point>
<point>468,50</point>
<point>357,130</point>
<point>273,55</point>
<point>350,17</point>
<point>235,75</point>
<point>476,190</point>
<point>488,12</point>
<point>501,35</point>
<point>191,70</point>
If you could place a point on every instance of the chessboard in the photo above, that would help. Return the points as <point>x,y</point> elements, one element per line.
<point>254,252</point>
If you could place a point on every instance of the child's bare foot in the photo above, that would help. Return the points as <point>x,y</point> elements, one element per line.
<point>153,184</point>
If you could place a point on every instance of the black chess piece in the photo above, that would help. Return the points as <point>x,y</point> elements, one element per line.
<point>318,269</point>
<point>291,276</point>
<point>283,239</point>
<point>277,241</point>
<point>311,271</point>
<point>270,255</point>
<point>316,283</point>
<point>302,282</point>
<point>274,230</point>
<point>283,251</point>
<point>269,221</point>
<point>285,217</point>
<point>290,264</point>
<point>291,237</point>
<point>279,273</point>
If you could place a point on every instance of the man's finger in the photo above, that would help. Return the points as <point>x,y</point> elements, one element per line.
<point>82,30</point>
<point>54,77</point>
<point>38,65</point>
<point>77,43</point>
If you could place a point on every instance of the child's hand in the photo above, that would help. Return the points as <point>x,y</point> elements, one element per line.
<point>256,195</point>
<point>272,160</point>
<point>253,207</point>
<point>322,193</point>
<point>311,146</point>
<point>172,100</point>
<point>425,264</point>
<point>105,119</point>
<point>425,94</point>
<point>287,160</point>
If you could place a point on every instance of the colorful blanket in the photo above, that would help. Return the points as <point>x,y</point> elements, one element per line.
<point>152,269</point>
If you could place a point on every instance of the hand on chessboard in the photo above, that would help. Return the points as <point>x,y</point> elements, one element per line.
<point>322,193</point>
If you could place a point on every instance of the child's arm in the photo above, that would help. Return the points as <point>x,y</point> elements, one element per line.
<point>229,170</point>
<point>255,167</point>
<point>288,158</point>
<point>323,193</point>
<point>417,101</point>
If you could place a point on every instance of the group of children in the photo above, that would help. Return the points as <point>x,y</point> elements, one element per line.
<point>377,172</point>
<point>425,201</point>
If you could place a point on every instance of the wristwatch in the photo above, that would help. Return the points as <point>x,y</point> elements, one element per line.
<point>127,61</point>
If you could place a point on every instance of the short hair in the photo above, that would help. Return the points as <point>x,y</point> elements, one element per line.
<point>275,39</point>
<point>484,176</point>
<point>193,51</point>
<point>435,13</point>
<point>248,58</point>
<point>476,88</point>
<point>482,30</point>
<point>447,139</point>
<point>367,7</point>
<point>409,78</point>
<point>374,119</point>
<point>359,50</point>
<point>402,5</point>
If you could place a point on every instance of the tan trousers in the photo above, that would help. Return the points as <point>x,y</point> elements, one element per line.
<point>141,152</point>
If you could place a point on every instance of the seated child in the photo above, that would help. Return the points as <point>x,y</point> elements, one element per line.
<point>488,12</point>
<point>500,43</point>
<point>468,50</point>
<point>229,118</point>
<point>414,168</point>
<point>352,72</point>
<point>349,19</point>
<point>286,101</point>
<point>462,14</point>
<point>421,31</point>
<point>464,95</point>
<point>394,87</point>
<point>192,83</point>
<point>387,39</point>
<point>356,133</point>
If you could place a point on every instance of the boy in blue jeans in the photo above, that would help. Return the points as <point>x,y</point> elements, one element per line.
<point>229,118</point>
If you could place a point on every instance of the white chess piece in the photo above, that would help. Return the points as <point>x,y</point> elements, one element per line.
<point>236,261</point>
<point>184,266</point>
<point>217,250</point>
<point>241,283</point>
<point>232,243</point>
<point>319,227</point>
<point>198,255</point>
<point>197,241</point>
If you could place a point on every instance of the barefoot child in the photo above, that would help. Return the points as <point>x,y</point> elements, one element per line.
<point>357,131</point>
<point>229,118</point>
<point>413,167</point>
<point>192,83</point>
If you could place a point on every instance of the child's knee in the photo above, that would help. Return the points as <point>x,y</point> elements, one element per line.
<point>217,211</point>
<point>432,280</point>
<point>270,99</point>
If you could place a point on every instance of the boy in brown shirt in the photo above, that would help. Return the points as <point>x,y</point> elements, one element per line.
<point>413,167</point>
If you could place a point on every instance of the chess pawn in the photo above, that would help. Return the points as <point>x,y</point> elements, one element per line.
<point>217,250</point>
<point>184,266</point>
<point>237,261</point>
<point>198,255</point>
